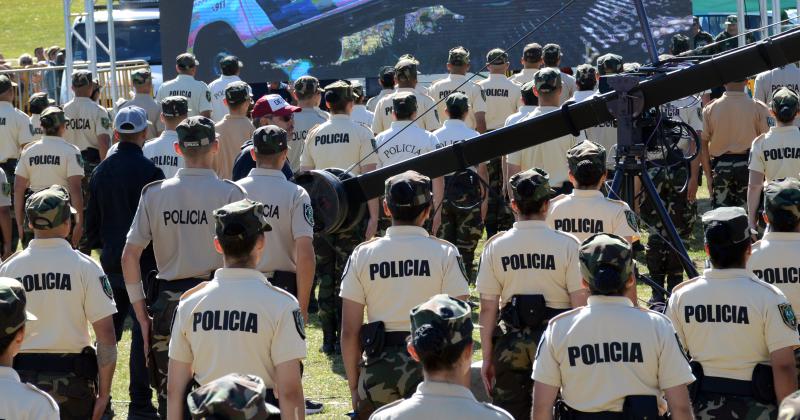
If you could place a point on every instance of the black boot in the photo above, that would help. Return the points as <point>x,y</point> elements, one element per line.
<point>328,336</point>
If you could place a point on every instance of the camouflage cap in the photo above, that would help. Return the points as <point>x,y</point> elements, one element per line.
<point>408,189</point>
<point>197,131</point>
<point>52,116</point>
<point>785,102</point>
<point>12,307</point>
<point>270,139</point>
<point>586,151</point>
<point>307,86</point>
<point>790,407</point>
<point>547,80</point>
<point>458,56</point>
<point>49,208</point>
<point>339,91</point>
<point>586,73</point>
<point>405,70</point>
<point>606,261</point>
<point>6,83</point>
<point>186,61</point>
<point>140,76</point>
<point>404,102</point>
<point>81,78</point>
<point>358,88</point>
<point>457,101</point>
<point>531,185</point>
<point>532,52</point>
<point>38,102</point>
<point>386,74</point>
<point>175,106</point>
<point>679,43</point>
<point>726,226</point>
<point>230,63</point>
<point>782,200</point>
<point>497,56</point>
<point>731,20</point>
<point>443,317</point>
<point>237,93</point>
<point>529,94</point>
<point>240,219</point>
<point>234,397</point>
<point>409,57</point>
<point>609,64</point>
<point>551,52</point>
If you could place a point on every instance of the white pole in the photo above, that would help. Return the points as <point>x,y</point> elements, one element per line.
<point>740,17</point>
<point>112,55</point>
<point>762,8</point>
<point>67,74</point>
<point>776,16</point>
<point>91,50</point>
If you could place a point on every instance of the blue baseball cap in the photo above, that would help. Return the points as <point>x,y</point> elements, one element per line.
<point>130,119</point>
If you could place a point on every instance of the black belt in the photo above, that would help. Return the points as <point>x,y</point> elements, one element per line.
<point>46,362</point>
<point>600,415</point>
<point>179,285</point>
<point>726,386</point>
<point>731,157</point>
<point>395,339</point>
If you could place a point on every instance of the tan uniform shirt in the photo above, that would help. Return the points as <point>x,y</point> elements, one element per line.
<point>15,131</point>
<point>396,146</point>
<point>195,91</point>
<point>770,80</point>
<point>288,209</point>
<point>176,214</point>
<point>304,121</point>
<point>729,321</point>
<point>774,260</point>
<point>372,103</point>
<point>86,120</point>
<point>568,87</point>
<point>586,212</point>
<point>731,122</point>
<point>65,289</point>
<point>441,89</point>
<point>161,151</point>
<point>524,76</point>
<point>393,274</point>
<point>550,156</point>
<point>600,353</point>
<point>384,110</point>
<point>20,401</point>
<point>340,143</point>
<point>503,98</point>
<point>49,161</point>
<point>440,401</point>
<point>531,259</point>
<point>363,116</point>
<point>36,127</point>
<point>776,154</point>
<point>520,115</point>
<point>233,131</point>
<point>153,110</point>
<point>237,323</point>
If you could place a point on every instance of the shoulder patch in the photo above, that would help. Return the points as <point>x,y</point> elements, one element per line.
<point>6,189</point>
<point>787,314</point>
<point>105,122</point>
<point>208,95</point>
<point>308,214</point>
<point>194,290</point>
<point>298,323</point>
<point>630,217</point>
<point>47,396</point>
<point>106,285</point>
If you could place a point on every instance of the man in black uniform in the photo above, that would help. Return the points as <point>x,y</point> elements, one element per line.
<point>729,36</point>
<point>700,38</point>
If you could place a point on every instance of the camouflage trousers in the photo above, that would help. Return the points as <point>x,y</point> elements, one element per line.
<point>388,377</point>
<point>88,170</point>
<point>499,217</point>
<point>463,228</point>
<point>75,395</point>
<point>730,176</point>
<point>514,353</point>
<point>708,406</point>
<point>9,167</point>
<point>663,261</point>
<point>332,252</point>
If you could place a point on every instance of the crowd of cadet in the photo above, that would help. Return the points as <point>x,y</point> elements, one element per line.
<point>209,250</point>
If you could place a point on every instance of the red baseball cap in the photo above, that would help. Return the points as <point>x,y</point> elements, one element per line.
<point>273,105</point>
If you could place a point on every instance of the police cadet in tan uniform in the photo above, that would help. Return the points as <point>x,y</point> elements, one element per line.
<point>458,66</point>
<point>776,153</point>
<point>57,355</point>
<point>142,81</point>
<point>238,322</point>
<point>37,103</point>
<point>740,332</point>
<point>386,80</point>
<point>528,269</point>
<point>175,214</point>
<point>441,331</point>
<point>774,257</point>
<point>405,75</point>
<point>18,400</point>
<point>549,156</point>
<point>88,123</point>
<point>388,276</point>
<point>606,133</point>
<point>531,63</point>
<point>360,112</point>
<point>552,54</point>
<point>503,97</point>
<point>610,359</point>
<point>308,95</point>
<point>730,124</point>
<point>161,150</point>
<point>771,80</point>
<point>586,211</point>
<point>195,91</point>
<point>234,128</point>
<point>49,161</point>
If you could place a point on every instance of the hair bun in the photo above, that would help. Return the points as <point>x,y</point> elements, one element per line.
<point>787,112</point>
<point>526,188</point>
<point>428,338</point>
<point>607,279</point>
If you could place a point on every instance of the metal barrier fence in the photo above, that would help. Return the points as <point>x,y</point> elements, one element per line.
<point>50,79</point>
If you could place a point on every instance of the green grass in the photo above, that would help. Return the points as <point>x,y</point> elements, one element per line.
<point>26,25</point>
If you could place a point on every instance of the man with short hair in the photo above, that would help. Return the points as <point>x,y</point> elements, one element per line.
<point>502,95</point>
<point>360,113</point>
<point>89,125</point>
<point>308,95</point>
<point>700,38</point>
<point>457,67</point>
<point>233,129</point>
<point>386,80</point>
<point>531,62</point>
<point>606,133</point>
<point>230,66</point>
<point>552,58</point>
<point>142,81</point>
<point>161,150</point>
<point>728,39</point>
<point>529,102</point>
<point>405,75</point>
<point>585,81</point>
<point>37,103</point>
<point>195,91</point>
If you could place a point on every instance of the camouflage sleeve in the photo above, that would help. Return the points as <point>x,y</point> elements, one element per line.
<point>179,347</point>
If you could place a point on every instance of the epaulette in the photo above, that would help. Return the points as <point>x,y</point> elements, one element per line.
<point>193,290</point>
<point>613,200</point>
<point>47,396</point>
<point>563,314</point>
<point>772,288</point>
<point>28,145</point>
<point>146,187</point>
<point>374,238</point>
<point>390,405</point>
<point>684,283</point>
<point>10,257</point>
<point>495,236</point>
<point>558,198</point>
<point>239,187</point>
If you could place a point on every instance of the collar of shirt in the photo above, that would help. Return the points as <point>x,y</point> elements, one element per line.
<point>130,147</point>
<point>172,134</point>
<point>266,172</point>
<point>184,77</point>
<point>397,125</point>
<point>528,72</point>
<point>736,94</point>
<point>233,78</point>
<point>457,77</point>
<point>137,95</point>
<point>52,138</point>
<point>596,300</point>
<point>9,373</point>
<point>235,117</point>
<point>781,236</point>
<point>405,90</point>
<point>182,172</point>
<point>530,224</point>
<point>340,117</point>
<point>494,76</point>
<point>587,193</point>
<point>225,274</point>
<point>726,273</point>
<point>83,99</point>
<point>406,231</point>
<point>786,129</point>
<point>527,109</point>
<point>454,123</point>
<point>360,108</point>
<point>444,389</point>
<point>50,243</point>
<point>5,104</point>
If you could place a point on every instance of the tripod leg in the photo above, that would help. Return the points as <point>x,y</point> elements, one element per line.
<point>616,183</point>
